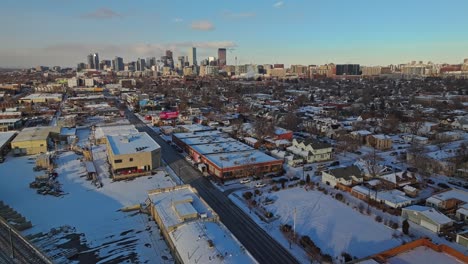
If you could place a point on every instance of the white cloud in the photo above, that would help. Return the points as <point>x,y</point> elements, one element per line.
<point>102,13</point>
<point>177,20</point>
<point>278,4</point>
<point>203,25</point>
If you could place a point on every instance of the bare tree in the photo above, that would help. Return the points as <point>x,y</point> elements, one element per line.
<point>263,128</point>
<point>371,162</point>
<point>347,143</point>
<point>291,121</point>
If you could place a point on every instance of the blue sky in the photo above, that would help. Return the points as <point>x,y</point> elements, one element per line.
<point>370,32</point>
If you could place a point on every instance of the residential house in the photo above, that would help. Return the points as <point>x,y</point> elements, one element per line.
<point>381,142</point>
<point>346,176</point>
<point>449,200</point>
<point>427,217</point>
<point>311,150</point>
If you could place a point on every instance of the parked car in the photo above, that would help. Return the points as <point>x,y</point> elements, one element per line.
<point>335,163</point>
<point>443,185</point>
<point>430,181</point>
<point>246,180</point>
<point>260,185</point>
<point>308,168</point>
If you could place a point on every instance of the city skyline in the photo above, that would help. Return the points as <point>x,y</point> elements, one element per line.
<point>60,33</point>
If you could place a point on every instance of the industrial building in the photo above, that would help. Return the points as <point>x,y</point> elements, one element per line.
<point>41,98</point>
<point>34,140</point>
<point>224,157</point>
<point>192,229</point>
<point>132,155</point>
<point>5,139</point>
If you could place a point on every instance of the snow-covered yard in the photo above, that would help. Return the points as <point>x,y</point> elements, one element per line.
<point>109,234</point>
<point>332,225</point>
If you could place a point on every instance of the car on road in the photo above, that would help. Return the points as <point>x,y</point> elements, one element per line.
<point>246,180</point>
<point>308,168</point>
<point>260,185</point>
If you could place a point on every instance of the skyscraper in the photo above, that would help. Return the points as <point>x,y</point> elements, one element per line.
<point>180,62</point>
<point>96,61</point>
<point>169,54</point>
<point>140,65</point>
<point>90,61</point>
<point>221,57</point>
<point>118,64</point>
<point>192,57</point>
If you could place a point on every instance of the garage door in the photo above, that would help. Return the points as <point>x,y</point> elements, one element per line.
<point>429,226</point>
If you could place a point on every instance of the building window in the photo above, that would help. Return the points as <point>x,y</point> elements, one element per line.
<point>118,161</point>
<point>42,145</point>
<point>131,159</point>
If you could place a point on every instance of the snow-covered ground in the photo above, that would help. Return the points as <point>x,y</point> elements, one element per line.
<point>332,225</point>
<point>111,235</point>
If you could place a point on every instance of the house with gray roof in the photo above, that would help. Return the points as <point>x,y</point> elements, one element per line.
<point>346,176</point>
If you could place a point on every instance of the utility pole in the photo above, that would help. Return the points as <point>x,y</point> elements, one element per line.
<point>294,228</point>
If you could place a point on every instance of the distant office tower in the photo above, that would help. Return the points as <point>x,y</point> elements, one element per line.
<point>151,61</point>
<point>105,64</point>
<point>465,61</point>
<point>140,65</point>
<point>192,57</point>
<point>118,64</point>
<point>222,57</point>
<point>278,66</point>
<point>80,66</point>
<point>96,61</point>
<point>348,69</point>
<point>212,61</point>
<point>90,61</point>
<point>169,54</point>
<point>180,62</point>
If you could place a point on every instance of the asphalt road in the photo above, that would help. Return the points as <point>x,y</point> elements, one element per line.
<point>261,245</point>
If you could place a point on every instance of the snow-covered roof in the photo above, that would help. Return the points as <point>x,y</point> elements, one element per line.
<point>197,134</point>
<point>103,131</point>
<point>195,128</point>
<point>450,194</point>
<point>430,213</point>
<point>35,133</point>
<point>207,139</point>
<point>361,132</point>
<point>5,137</point>
<point>234,159</point>
<point>66,131</point>
<point>381,137</point>
<point>251,140</point>
<point>191,241</point>
<point>196,240</point>
<point>409,188</point>
<point>164,200</point>
<point>9,120</point>
<point>222,147</point>
<point>422,255</point>
<point>133,143</point>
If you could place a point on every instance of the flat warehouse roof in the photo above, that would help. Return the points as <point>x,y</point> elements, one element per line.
<point>234,159</point>
<point>133,143</point>
<point>197,134</point>
<point>207,140</point>
<point>224,147</point>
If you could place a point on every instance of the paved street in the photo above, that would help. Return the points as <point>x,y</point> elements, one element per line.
<point>262,246</point>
